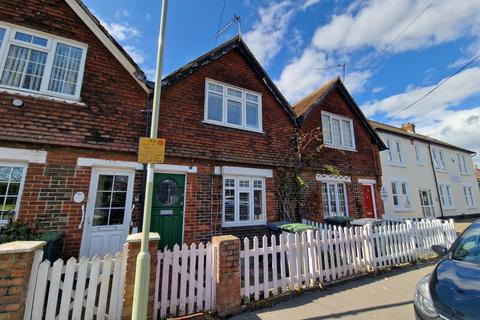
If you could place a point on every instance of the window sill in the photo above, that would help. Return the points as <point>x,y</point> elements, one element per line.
<point>420,164</point>
<point>331,146</point>
<point>244,224</point>
<point>441,170</point>
<point>35,94</point>
<point>403,210</point>
<point>221,124</point>
<point>395,164</point>
<point>449,209</point>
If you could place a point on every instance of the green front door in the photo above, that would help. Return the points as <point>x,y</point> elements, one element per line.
<point>167,208</point>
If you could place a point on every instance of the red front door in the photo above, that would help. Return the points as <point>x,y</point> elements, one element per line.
<point>368,206</point>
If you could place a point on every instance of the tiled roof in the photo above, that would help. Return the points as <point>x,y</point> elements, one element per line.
<point>395,130</point>
<point>304,105</point>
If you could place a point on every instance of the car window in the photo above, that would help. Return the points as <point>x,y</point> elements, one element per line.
<point>468,246</point>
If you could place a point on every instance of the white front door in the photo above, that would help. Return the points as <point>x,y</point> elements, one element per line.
<point>108,212</point>
<point>427,203</point>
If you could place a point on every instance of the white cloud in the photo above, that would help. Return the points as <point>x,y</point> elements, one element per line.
<point>267,35</point>
<point>378,89</point>
<point>120,31</point>
<point>137,55</point>
<point>309,3</point>
<point>438,115</point>
<point>377,22</point>
<point>122,14</point>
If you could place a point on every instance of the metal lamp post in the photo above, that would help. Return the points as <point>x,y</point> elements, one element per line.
<point>142,272</point>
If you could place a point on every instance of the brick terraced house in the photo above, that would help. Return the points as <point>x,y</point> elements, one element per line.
<point>227,129</point>
<point>345,174</point>
<point>71,104</point>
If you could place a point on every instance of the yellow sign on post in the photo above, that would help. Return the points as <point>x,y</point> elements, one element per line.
<point>151,150</point>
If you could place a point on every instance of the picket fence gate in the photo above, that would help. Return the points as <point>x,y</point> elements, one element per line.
<point>185,280</point>
<point>86,289</point>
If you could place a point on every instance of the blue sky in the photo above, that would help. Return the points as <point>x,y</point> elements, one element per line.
<point>298,41</point>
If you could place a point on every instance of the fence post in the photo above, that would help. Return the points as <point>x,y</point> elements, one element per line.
<point>413,238</point>
<point>227,249</point>
<point>369,247</point>
<point>16,260</point>
<point>133,248</point>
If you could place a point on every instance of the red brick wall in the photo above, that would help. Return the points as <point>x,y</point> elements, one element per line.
<point>109,116</point>
<point>360,164</point>
<point>182,115</point>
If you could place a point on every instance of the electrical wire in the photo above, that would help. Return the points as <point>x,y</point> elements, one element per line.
<point>436,87</point>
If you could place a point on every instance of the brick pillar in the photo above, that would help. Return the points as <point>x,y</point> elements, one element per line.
<point>228,274</point>
<point>133,243</point>
<point>15,265</point>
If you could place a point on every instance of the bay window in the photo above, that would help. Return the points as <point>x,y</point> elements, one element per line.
<point>12,179</point>
<point>40,63</point>
<point>231,106</point>
<point>446,196</point>
<point>400,195</point>
<point>337,131</point>
<point>334,197</point>
<point>243,201</point>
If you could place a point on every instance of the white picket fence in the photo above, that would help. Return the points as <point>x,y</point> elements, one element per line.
<point>86,289</point>
<point>185,280</point>
<point>297,261</point>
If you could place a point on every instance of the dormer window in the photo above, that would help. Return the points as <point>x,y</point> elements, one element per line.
<point>233,107</point>
<point>40,63</point>
<point>338,131</point>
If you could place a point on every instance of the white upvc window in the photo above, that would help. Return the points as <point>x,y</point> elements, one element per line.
<point>12,180</point>
<point>232,106</point>
<point>438,158</point>
<point>244,201</point>
<point>446,196</point>
<point>335,200</point>
<point>394,154</point>
<point>469,198</point>
<point>400,194</point>
<point>418,153</point>
<point>338,131</point>
<point>36,62</point>
<point>462,163</point>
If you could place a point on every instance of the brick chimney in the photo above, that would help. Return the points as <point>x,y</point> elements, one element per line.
<point>409,127</point>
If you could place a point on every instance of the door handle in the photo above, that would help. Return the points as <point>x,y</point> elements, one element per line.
<point>83,217</point>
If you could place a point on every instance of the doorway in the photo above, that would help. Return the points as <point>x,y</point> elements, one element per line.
<point>369,205</point>
<point>427,203</point>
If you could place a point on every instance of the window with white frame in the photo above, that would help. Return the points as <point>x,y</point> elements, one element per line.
<point>400,195</point>
<point>469,199</point>
<point>334,197</point>
<point>40,63</point>
<point>438,158</point>
<point>446,196</point>
<point>243,201</point>
<point>394,152</point>
<point>338,131</point>
<point>232,106</point>
<point>462,163</point>
<point>12,179</point>
<point>418,153</point>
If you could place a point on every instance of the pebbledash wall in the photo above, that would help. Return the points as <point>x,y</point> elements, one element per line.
<point>47,135</point>
<point>355,167</point>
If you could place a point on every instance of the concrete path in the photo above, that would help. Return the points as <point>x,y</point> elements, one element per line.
<point>385,296</point>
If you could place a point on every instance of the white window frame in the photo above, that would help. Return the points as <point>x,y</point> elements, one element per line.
<point>462,164</point>
<point>52,42</point>
<point>395,151</point>
<point>238,189</point>
<point>23,165</point>
<point>446,196</point>
<point>438,158</point>
<point>337,199</point>
<point>242,100</point>
<point>418,153</point>
<point>341,146</point>
<point>402,197</point>
<point>468,193</point>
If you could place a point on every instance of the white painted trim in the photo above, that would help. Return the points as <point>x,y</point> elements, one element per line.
<point>93,162</point>
<point>26,155</point>
<point>332,178</point>
<point>352,132</point>
<point>243,171</point>
<point>174,168</point>
<point>367,181</point>
<point>22,185</point>
<point>120,56</point>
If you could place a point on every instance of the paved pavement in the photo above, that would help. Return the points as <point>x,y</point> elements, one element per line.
<point>385,296</point>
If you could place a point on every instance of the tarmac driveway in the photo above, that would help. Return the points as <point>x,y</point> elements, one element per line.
<point>388,295</point>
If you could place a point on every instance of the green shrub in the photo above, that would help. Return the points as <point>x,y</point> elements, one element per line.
<point>18,230</point>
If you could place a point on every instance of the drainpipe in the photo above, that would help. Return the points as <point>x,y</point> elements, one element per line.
<point>148,118</point>
<point>435,178</point>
